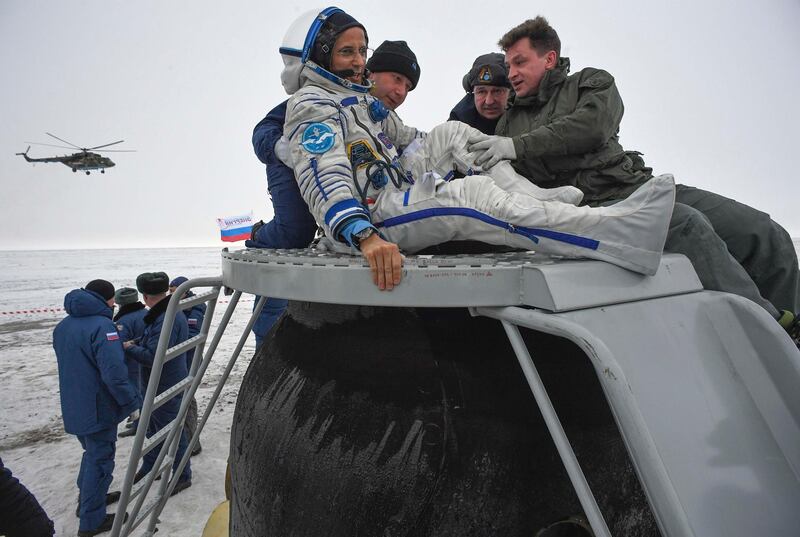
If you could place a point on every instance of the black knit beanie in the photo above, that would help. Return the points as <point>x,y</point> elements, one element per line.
<point>396,57</point>
<point>102,287</point>
<point>334,25</point>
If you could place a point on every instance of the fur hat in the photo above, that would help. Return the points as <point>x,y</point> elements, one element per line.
<point>152,283</point>
<point>126,295</point>
<point>396,57</point>
<point>103,288</point>
<point>487,70</point>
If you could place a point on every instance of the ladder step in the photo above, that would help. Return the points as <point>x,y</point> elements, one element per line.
<point>146,510</point>
<point>157,438</point>
<point>171,392</point>
<point>180,348</point>
<point>206,296</point>
<point>137,488</point>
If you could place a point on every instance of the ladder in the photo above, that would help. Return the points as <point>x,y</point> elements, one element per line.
<point>137,499</point>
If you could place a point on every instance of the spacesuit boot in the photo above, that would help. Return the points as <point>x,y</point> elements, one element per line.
<point>630,234</point>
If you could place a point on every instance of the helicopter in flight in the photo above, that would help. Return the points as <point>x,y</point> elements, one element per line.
<point>85,160</point>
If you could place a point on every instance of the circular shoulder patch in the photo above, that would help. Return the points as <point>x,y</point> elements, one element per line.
<point>318,138</point>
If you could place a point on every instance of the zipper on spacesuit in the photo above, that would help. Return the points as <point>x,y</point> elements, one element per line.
<point>524,233</point>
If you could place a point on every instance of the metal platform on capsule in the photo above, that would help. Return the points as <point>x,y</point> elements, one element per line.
<point>507,279</point>
<point>703,385</point>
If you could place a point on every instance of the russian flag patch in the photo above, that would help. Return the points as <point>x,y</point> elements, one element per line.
<point>192,321</point>
<point>112,336</point>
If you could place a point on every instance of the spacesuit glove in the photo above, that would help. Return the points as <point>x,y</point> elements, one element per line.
<point>134,415</point>
<point>492,149</point>
<point>282,151</point>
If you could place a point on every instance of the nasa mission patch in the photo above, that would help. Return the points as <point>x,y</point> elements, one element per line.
<point>318,138</point>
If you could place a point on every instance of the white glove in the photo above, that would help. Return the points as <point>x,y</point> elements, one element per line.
<point>282,151</point>
<point>134,415</point>
<point>491,150</point>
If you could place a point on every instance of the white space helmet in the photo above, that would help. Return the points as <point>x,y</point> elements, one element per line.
<point>298,43</point>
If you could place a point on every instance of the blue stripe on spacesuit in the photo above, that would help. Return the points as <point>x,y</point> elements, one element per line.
<point>316,178</point>
<point>405,198</point>
<point>342,210</point>
<point>349,101</point>
<point>330,180</point>
<point>531,233</point>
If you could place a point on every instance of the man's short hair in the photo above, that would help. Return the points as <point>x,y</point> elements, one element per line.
<point>543,38</point>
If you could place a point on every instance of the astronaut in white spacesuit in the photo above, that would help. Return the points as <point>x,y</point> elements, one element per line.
<point>344,148</point>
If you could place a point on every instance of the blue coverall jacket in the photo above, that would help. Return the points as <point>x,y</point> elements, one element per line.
<point>292,226</point>
<point>95,391</point>
<point>130,324</point>
<point>194,318</point>
<point>144,352</point>
<point>172,372</point>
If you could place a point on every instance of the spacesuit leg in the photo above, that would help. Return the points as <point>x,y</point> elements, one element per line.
<point>630,234</point>
<point>445,150</point>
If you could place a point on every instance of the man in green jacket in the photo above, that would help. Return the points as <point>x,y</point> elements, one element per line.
<point>563,130</point>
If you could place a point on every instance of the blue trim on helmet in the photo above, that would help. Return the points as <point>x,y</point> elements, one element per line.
<point>316,26</point>
<point>290,51</point>
<point>531,233</point>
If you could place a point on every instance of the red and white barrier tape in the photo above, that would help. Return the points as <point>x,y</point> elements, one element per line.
<point>59,310</point>
<point>43,310</point>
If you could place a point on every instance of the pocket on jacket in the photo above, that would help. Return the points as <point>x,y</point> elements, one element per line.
<point>106,409</point>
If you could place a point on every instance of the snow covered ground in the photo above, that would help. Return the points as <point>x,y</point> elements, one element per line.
<point>33,443</point>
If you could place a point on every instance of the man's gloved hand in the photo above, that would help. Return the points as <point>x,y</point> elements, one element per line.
<point>134,415</point>
<point>491,150</point>
<point>282,151</point>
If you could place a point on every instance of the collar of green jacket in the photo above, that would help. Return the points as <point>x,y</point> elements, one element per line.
<point>550,81</point>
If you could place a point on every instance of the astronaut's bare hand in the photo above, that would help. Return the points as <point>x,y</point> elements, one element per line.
<point>385,261</point>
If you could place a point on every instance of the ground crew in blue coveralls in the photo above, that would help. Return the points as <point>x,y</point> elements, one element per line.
<point>154,286</point>
<point>194,317</point>
<point>130,325</point>
<point>96,395</point>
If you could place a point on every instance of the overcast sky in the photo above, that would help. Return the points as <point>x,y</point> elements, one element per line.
<point>710,92</point>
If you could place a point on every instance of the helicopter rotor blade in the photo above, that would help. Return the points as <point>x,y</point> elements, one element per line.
<point>106,145</point>
<point>51,145</point>
<point>66,142</point>
<point>117,151</point>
